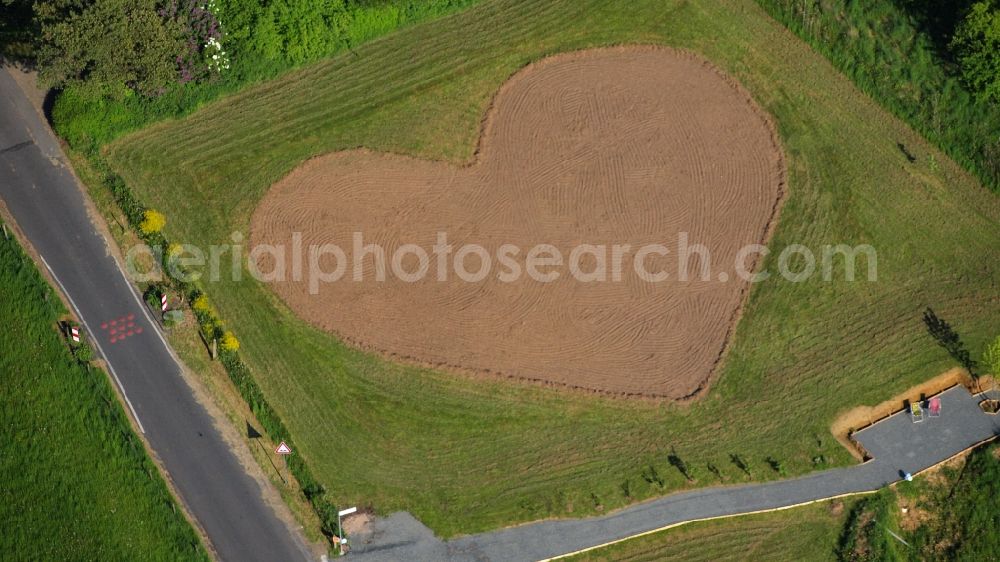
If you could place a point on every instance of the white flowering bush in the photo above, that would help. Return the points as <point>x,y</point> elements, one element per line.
<point>218,60</point>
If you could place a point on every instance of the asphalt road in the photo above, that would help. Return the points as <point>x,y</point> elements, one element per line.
<point>896,445</point>
<point>42,195</point>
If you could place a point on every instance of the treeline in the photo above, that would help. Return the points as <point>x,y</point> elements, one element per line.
<point>934,64</point>
<point>15,29</point>
<point>122,64</point>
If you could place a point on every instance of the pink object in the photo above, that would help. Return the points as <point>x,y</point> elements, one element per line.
<point>934,405</point>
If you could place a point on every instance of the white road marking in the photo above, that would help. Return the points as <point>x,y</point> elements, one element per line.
<point>97,343</point>
<point>145,310</point>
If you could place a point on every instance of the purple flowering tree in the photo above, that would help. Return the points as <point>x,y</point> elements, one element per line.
<point>203,56</point>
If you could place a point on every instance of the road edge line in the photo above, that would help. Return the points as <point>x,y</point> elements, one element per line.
<point>111,368</point>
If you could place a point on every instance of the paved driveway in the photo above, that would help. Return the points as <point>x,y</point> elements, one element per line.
<point>895,443</point>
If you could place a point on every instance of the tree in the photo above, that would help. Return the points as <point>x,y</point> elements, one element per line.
<point>108,46</point>
<point>677,462</point>
<point>976,46</point>
<point>740,464</point>
<point>115,47</point>
<point>16,28</point>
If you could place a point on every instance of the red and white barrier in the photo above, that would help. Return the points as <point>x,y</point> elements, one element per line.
<point>74,333</point>
<point>163,303</point>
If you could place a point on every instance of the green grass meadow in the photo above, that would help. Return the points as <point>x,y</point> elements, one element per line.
<point>807,533</point>
<point>469,455</point>
<point>75,481</point>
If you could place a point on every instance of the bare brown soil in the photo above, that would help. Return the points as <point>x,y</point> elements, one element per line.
<point>357,523</point>
<point>609,146</point>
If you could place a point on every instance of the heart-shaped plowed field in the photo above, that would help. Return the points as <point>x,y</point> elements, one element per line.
<point>631,146</point>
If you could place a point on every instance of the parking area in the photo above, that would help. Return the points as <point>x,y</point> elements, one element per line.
<point>915,446</point>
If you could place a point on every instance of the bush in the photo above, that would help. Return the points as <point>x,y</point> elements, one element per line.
<point>966,513</point>
<point>172,318</point>
<point>174,250</point>
<point>201,305</point>
<point>152,222</point>
<point>229,342</point>
<point>152,295</point>
<point>110,48</point>
<point>977,47</point>
<point>991,358</point>
<point>866,536</point>
<point>327,513</point>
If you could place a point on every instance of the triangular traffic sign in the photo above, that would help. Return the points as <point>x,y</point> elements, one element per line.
<point>283,449</point>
